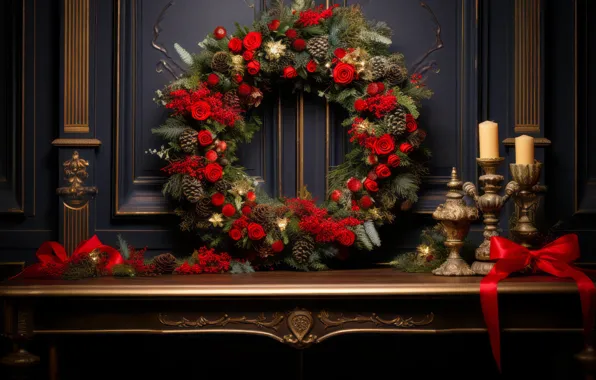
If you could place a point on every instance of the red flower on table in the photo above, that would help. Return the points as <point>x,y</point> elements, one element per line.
<point>406,147</point>
<point>235,45</point>
<point>343,73</point>
<point>205,138</point>
<point>251,196</point>
<point>360,105</point>
<point>311,66</point>
<point>273,25</point>
<point>255,231</point>
<point>411,124</point>
<point>371,185</point>
<point>393,160</point>
<point>213,172</point>
<point>335,195</point>
<point>346,238</point>
<point>291,34</point>
<point>253,67</point>
<point>248,55</point>
<point>339,53</point>
<point>382,171</point>
<point>277,246</point>
<point>366,202</point>
<point>213,79</point>
<point>218,199</point>
<point>210,155</point>
<point>246,210</point>
<point>289,72</point>
<point>299,44</point>
<point>235,234</point>
<point>228,210</point>
<point>200,110</point>
<point>384,145</point>
<point>238,78</point>
<point>354,184</point>
<point>252,41</point>
<point>244,89</point>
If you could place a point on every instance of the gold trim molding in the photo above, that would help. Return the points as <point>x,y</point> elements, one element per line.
<point>77,143</point>
<point>538,141</point>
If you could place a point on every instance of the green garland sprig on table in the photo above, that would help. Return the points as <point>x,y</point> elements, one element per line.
<point>345,58</point>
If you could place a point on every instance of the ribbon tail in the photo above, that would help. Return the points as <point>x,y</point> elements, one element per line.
<point>490,310</point>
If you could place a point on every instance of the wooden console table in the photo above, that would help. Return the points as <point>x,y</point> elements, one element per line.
<point>296,309</point>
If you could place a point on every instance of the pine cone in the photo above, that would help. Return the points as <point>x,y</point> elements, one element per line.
<point>188,140</point>
<point>396,74</point>
<point>302,249</point>
<point>396,121</point>
<point>192,188</point>
<point>318,47</point>
<point>165,263</point>
<point>417,137</point>
<point>264,250</point>
<point>222,186</point>
<point>378,67</point>
<point>263,214</point>
<point>232,100</point>
<point>221,62</point>
<point>203,207</point>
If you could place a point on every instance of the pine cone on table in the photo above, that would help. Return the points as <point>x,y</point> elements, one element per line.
<point>396,74</point>
<point>192,188</point>
<point>396,121</point>
<point>302,249</point>
<point>188,140</point>
<point>318,47</point>
<point>378,67</point>
<point>221,62</point>
<point>417,137</point>
<point>165,263</point>
<point>232,99</point>
<point>203,207</point>
<point>222,186</point>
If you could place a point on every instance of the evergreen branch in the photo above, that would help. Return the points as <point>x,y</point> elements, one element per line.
<point>123,247</point>
<point>184,55</point>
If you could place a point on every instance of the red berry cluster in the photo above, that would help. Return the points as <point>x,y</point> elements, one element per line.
<point>206,261</point>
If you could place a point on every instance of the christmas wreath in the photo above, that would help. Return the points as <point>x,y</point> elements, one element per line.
<point>335,51</point>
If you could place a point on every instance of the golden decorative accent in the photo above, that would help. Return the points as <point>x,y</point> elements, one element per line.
<point>261,321</point>
<point>398,321</point>
<point>538,141</point>
<point>76,66</point>
<point>75,225</point>
<point>300,322</point>
<point>274,50</point>
<point>526,177</point>
<point>217,220</point>
<point>85,143</point>
<point>527,66</point>
<point>75,172</point>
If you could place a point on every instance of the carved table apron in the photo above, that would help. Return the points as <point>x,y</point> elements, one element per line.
<point>298,309</point>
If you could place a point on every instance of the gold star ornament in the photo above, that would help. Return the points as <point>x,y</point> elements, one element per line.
<point>217,220</point>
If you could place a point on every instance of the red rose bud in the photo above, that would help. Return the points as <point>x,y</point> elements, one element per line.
<point>200,110</point>
<point>211,155</point>
<point>371,185</point>
<point>372,175</point>
<point>339,53</point>
<point>219,32</point>
<point>244,89</point>
<point>238,78</point>
<point>355,208</point>
<point>218,199</point>
<point>235,45</point>
<point>246,210</point>
<point>360,105</point>
<point>343,73</point>
<point>253,67</point>
<point>273,25</point>
<point>228,210</point>
<point>335,195</point>
<point>393,160</point>
<point>354,185</point>
<point>372,159</point>
<point>277,246</point>
<point>384,145</point>
<point>411,124</point>
<point>372,89</point>
<point>255,231</point>
<point>299,44</point>
<point>213,79</point>
<point>213,172</point>
<point>235,234</point>
<point>251,196</point>
<point>366,202</point>
<point>248,55</point>
<point>406,147</point>
<point>289,72</point>
<point>381,87</point>
<point>221,146</point>
<point>291,34</point>
<point>382,171</point>
<point>252,41</point>
<point>311,66</point>
<point>346,238</point>
<point>205,138</point>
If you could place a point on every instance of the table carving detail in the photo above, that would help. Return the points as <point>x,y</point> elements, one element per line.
<point>261,321</point>
<point>398,321</point>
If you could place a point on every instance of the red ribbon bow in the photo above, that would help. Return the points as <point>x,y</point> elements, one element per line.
<point>52,254</point>
<point>554,258</point>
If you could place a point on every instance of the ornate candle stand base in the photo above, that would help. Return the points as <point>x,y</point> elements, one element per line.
<point>455,217</point>
<point>526,177</point>
<point>490,204</point>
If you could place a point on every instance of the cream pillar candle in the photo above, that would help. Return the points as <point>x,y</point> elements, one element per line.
<point>488,133</point>
<point>524,150</point>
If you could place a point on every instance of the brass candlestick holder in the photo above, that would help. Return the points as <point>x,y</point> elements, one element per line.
<point>526,176</point>
<point>490,204</point>
<point>455,217</point>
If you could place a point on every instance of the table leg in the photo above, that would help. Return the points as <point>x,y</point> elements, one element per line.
<point>53,362</point>
<point>20,362</point>
<point>587,359</point>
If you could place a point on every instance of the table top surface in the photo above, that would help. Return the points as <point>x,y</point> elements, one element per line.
<point>364,282</point>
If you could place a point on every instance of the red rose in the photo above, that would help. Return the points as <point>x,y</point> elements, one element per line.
<point>406,147</point>
<point>273,25</point>
<point>393,160</point>
<point>235,234</point>
<point>381,87</point>
<point>248,55</point>
<point>277,246</point>
<point>289,72</point>
<point>251,196</point>
<point>354,184</point>
<point>411,124</point>
<point>299,44</point>
<point>244,89</point>
<point>372,89</point>
<point>382,171</point>
<point>255,231</point>
<point>205,138</point>
<point>218,199</point>
<point>291,33</point>
<point>311,66</point>
<point>371,185</point>
<point>221,146</point>
<point>339,53</point>
<point>235,45</point>
<point>252,41</point>
<point>219,32</point>
<point>246,210</point>
<point>360,105</point>
<point>200,110</point>
<point>335,195</point>
<point>213,172</point>
<point>346,238</point>
<point>238,78</point>
<point>384,145</point>
<point>366,202</point>
<point>253,67</point>
<point>343,73</point>
<point>213,79</point>
<point>228,210</point>
<point>210,155</point>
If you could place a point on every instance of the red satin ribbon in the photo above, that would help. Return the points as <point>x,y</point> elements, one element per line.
<point>52,253</point>
<point>554,258</point>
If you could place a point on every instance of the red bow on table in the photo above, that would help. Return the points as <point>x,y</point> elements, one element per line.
<point>53,258</point>
<point>555,258</point>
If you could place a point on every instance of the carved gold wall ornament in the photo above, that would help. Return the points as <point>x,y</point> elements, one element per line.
<point>300,322</point>
<point>398,321</point>
<point>75,173</point>
<point>260,321</point>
